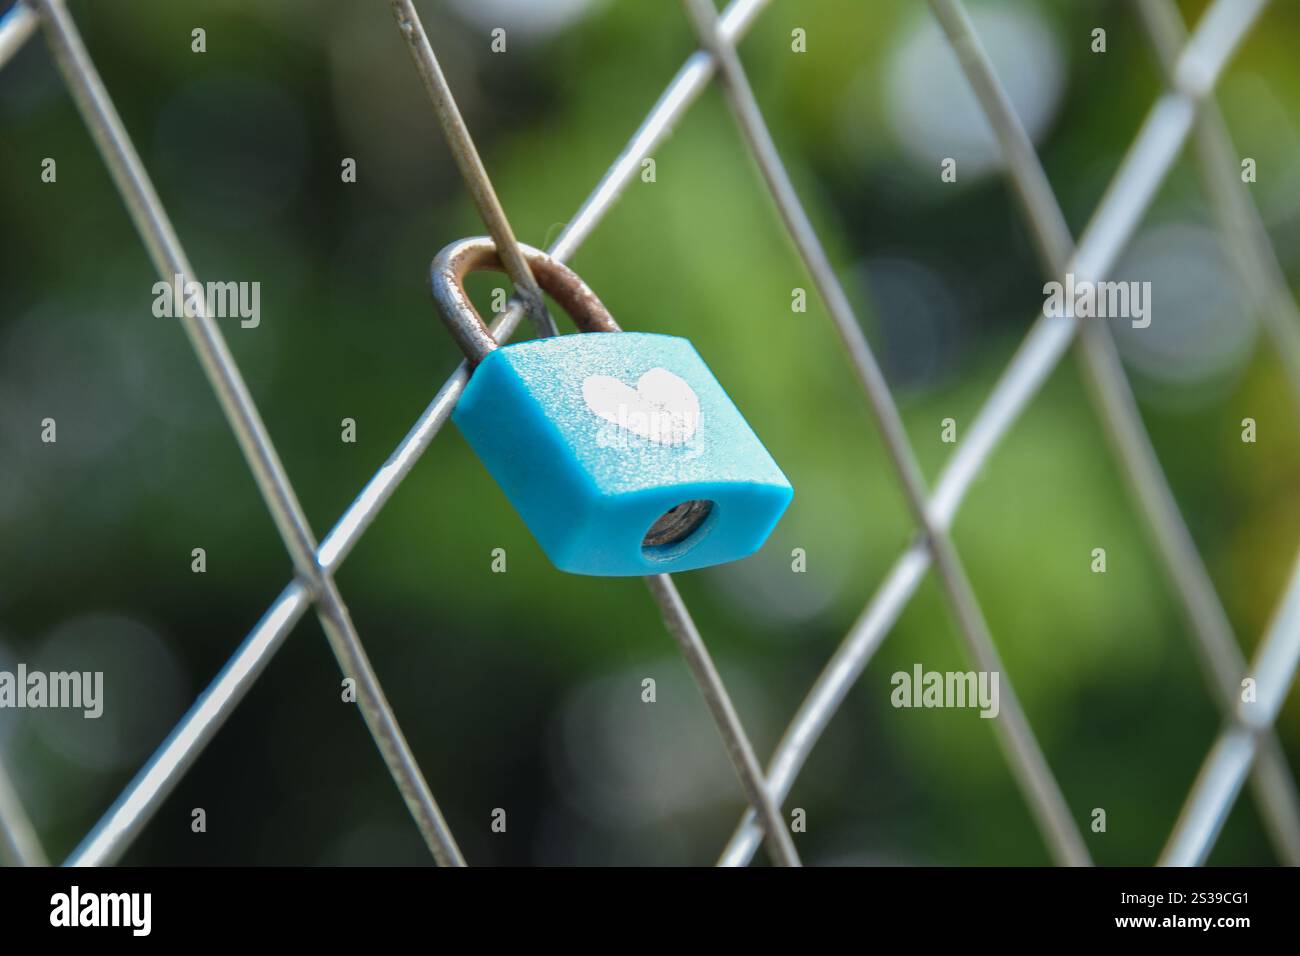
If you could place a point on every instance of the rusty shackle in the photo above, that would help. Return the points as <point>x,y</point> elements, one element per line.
<point>447,284</point>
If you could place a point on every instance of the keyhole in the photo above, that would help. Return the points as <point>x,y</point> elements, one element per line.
<point>676,525</point>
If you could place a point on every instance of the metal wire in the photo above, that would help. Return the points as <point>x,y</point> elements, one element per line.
<point>1225,768</point>
<point>110,837</point>
<point>1144,167</point>
<point>169,259</point>
<point>1193,74</point>
<point>681,92</point>
<point>1218,651</point>
<point>739,749</point>
<point>1022,751</point>
<point>16,26</point>
<point>471,167</point>
<point>19,844</point>
<point>1244,238</point>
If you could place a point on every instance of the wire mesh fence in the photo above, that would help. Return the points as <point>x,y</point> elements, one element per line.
<point>1192,64</point>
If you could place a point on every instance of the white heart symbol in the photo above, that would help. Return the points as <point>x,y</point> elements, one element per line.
<point>662,408</point>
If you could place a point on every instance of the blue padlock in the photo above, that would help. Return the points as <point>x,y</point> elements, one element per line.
<point>620,450</point>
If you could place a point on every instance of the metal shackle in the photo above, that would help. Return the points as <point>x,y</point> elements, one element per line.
<point>447,284</point>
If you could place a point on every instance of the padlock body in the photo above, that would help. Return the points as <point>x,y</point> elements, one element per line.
<point>593,437</point>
